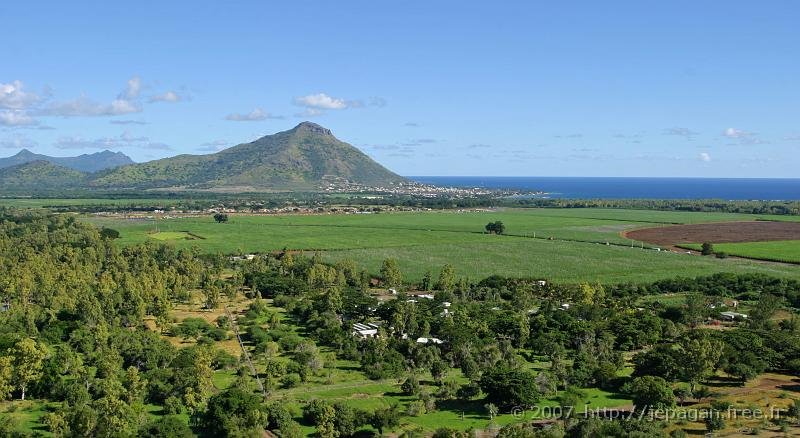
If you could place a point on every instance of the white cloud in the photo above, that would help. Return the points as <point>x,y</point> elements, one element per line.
<point>132,89</point>
<point>681,132</point>
<point>321,101</point>
<point>736,133</point>
<point>12,96</point>
<point>127,122</point>
<point>377,101</point>
<point>168,96</point>
<point>743,137</point>
<point>125,103</point>
<point>18,143</point>
<point>85,107</point>
<point>705,157</point>
<point>256,115</point>
<point>16,118</point>
<point>124,140</point>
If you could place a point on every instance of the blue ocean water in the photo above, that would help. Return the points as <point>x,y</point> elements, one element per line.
<point>633,188</point>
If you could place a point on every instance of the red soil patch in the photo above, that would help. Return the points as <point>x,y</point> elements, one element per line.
<point>722,232</point>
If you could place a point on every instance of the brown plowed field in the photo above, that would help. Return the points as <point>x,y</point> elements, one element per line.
<point>721,232</point>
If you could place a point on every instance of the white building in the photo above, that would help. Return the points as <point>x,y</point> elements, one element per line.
<point>732,316</point>
<point>365,330</point>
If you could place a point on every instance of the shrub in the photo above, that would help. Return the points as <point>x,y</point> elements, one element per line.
<point>290,380</point>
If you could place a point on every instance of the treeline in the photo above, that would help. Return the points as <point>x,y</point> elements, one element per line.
<point>699,205</point>
<point>248,202</point>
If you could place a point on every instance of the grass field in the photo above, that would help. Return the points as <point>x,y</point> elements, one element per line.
<point>569,244</point>
<point>787,251</point>
<point>173,235</point>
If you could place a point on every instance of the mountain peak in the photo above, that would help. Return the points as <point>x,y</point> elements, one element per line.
<point>312,127</point>
<point>24,153</point>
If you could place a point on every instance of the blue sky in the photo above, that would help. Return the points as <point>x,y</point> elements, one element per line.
<point>679,88</point>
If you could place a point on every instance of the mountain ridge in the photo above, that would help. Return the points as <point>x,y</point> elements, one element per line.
<point>84,163</point>
<point>306,157</point>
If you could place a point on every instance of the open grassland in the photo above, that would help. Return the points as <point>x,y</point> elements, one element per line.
<point>787,251</point>
<point>172,235</point>
<point>556,261</point>
<point>569,244</point>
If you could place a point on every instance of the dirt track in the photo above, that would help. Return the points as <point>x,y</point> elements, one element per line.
<point>721,232</point>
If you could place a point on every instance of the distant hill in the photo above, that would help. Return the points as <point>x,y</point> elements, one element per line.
<point>301,158</point>
<point>40,175</point>
<point>84,163</point>
<point>306,157</point>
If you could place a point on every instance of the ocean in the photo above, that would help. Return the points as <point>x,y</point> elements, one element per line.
<point>777,189</point>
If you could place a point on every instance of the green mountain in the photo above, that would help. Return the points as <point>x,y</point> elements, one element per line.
<point>302,158</point>
<point>39,175</point>
<point>84,163</point>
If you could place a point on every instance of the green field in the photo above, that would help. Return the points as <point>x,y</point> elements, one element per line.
<point>569,244</point>
<point>787,251</point>
<point>173,235</point>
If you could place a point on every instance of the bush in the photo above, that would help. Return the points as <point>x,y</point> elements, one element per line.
<point>173,405</point>
<point>415,408</point>
<point>721,255</point>
<point>410,386</point>
<point>290,380</point>
<point>169,426</point>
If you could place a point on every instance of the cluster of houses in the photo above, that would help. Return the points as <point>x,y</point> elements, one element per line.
<point>367,330</point>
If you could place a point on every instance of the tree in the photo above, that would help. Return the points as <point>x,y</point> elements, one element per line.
<point>233,412</point>
<point>496,227</point>
<point>707,248</point>
<point>411,385</point>
<point>427,281</point>
<point>221,217</point>
<point>764,310</point>
<point>714,422</point>
<point>56,423</point>
<point>391,273</point>
<point>699,358</point>
<point>114,417</point>
<point>509,387</point>
<point>170,426</point>
<point>27,357</point>
<point>385,418</point>
<point>439,370</point>
<point>6,377</point>
<point>447,278</point>
<point>325,422</point>
<point>109,233</point>
<point>212,293</point>
<point>651,392</point>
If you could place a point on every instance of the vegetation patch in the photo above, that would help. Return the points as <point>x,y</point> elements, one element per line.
<point>785,251</point>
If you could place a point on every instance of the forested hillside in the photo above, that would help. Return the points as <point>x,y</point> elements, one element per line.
<point>100,340</point>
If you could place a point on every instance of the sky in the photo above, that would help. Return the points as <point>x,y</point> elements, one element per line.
<point>506,88</point>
